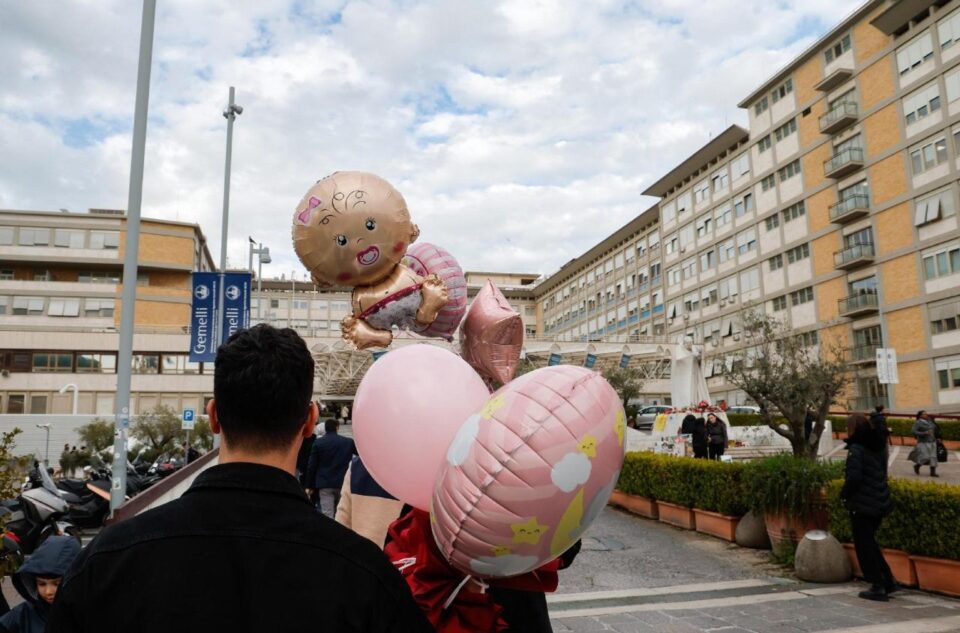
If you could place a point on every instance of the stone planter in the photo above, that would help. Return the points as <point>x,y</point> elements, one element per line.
<point>679,516</point>
<point>636,504</point>
<point>715,524</point>
<point>938,574</point>
<point>783,528</point>
<point>854,561</point>
<point>900,563</point>
<point>952,445</point>
<point>752,532</point>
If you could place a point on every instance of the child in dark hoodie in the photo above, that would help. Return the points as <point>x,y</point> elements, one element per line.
<point>37,581</point>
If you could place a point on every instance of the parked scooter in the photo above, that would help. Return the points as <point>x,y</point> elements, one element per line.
<point>38,513</point>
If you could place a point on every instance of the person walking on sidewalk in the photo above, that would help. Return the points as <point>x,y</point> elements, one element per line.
<point>717,434</point>
<point>700,438</point>
<point>925,452</point>
<point>329,459</point>
<point>243,549</point>
<point>365,507</point>
<point>866,495</point>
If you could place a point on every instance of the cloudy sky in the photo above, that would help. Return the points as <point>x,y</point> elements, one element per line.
<point>521,132</point>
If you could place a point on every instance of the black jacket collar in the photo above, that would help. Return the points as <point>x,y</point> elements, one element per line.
<point>249,478</point>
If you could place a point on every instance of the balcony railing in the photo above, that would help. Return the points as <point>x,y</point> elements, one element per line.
<point>867,403</point>
<point>864,353</point>
<point>853,256</point>
<point>844,162</point>
<point>850,208</point>
<point>859,304</point>
<point>838,117</point>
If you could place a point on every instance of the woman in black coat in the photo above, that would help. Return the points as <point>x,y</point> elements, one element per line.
<point>699,439</point>
<point>866,495</point>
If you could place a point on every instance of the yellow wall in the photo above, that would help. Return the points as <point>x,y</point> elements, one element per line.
<point>166,279</point>
<point>158,313</point>
<point>882,130</point>
<point>888,179</point>
<point>813,166</point>
<point>823,250</point>
<point>805,78</point>
<point>810,124</point>
<point>906,332</point>
<point>914,390</point>
<point>834,337</point>
<point>818,209</point>
<point>876,83</point>
<point>894,229</point>
<point>868,40</point>
<point>901,279</point>
<point>828,295</point>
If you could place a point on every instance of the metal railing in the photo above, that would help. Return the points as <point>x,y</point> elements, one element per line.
<point>848,156</point>
<point>853,253</point>
<point>866,403</point>
<point>840,111</point>
<point>858,202</point>
<point>864,353</point>
<point>858,302</point>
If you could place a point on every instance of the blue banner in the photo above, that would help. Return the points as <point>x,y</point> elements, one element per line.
<point>590,361</point>
<point>624,361</point>
<point>203,328</point>
<point>236,304</point>
<point>554,360</point>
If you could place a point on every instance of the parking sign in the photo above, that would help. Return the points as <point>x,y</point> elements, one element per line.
<point>189,419</point>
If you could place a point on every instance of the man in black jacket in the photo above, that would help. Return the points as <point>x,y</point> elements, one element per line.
<point>242,549</point>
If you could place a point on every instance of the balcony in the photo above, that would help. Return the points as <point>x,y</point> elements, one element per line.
<point>854,256</point>
<point>867,403</point>
<point>838,117</point>
<point>863,354</point>
<point>859,304</point>
<point>850,208</point>
<point>844,162</point>
<point>834,79</point>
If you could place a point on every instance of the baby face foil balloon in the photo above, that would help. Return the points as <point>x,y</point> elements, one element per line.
<point>528,472</point>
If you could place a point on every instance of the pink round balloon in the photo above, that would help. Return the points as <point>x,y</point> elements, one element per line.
<point>529,471</point>
<point>408,408</point>
<point>425,259</point>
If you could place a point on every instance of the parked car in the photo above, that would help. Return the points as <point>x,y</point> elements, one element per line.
<point>647,416</point>
<point>743,408</point>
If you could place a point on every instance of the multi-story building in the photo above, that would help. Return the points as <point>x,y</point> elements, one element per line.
<point>60,282</point>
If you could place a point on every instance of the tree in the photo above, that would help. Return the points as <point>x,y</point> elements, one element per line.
<point>201,437</point>
<point>97,435</point>
<point>626,382</point>
<point>159,430</point>
<point>782,375</point>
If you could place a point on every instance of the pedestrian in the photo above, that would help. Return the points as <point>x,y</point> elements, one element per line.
<point>329,459</point>
<point>717,436</point>
<point>866,495</point>
<point>700,439</point>
<point>37,581</point>
<point>345,414</point>
<point>878,422</point>
<point>257,555</point>
<point>303,459</point>
<point>686,427</point>
<point>365,506</point>
<point>925,452</point>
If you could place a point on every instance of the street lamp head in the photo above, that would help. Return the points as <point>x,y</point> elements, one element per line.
<point>44,426</point>
<point>231,112</point>
<point>265,255</point>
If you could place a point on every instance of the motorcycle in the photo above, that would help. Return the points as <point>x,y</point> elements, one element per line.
<point>37,513</point>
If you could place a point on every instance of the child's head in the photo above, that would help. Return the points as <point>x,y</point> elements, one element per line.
<point>47,587</point>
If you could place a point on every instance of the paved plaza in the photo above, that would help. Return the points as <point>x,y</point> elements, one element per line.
<point>635,575</point>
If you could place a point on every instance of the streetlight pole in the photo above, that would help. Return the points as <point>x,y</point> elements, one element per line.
<point>263,256</point>
<point>131,254</point>
<point>76,394</point>
<point>46,452</point>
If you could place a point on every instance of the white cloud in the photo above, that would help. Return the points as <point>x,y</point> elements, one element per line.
<point>460,446</point>
<point>571,471</point>
<point>507,565</point>
<point>520,132</point>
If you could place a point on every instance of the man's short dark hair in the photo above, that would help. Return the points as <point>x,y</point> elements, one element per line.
<point>879,408</point>
<point>262,385</point>
<point>330,425</point>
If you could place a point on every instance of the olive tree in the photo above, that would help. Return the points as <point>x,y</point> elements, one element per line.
<point>787,378</point>
<point>625,381</point>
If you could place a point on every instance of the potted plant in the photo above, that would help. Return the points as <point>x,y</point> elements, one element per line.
<point>635,489</point>
<point>720,500</point>
<point>789,492</point>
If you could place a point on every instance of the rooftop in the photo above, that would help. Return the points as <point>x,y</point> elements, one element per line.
<point>729,138</point>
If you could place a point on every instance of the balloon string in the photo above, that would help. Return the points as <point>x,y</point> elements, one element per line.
<point>453,596</point>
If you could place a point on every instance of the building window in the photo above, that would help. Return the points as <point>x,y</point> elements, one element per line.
<point>745,204</point>
<point>934,207</point>
<point>794,211</point>
<point>66,238</point>
<point>839,47</point>
<point>709,296</point>
<point>948,30</point>
<point>673,276</point>
<point>691,302</point>
<point>728,288</point>
<point>948,372</point>
<point>689,268</point>
<point>60,307</point>
<point>105,240</point>
<point>300,304</point>
<point>145,363</point>
<point>740,166</point>
<point>6,235</point>
<point>673,244</point>
<point>782,90</point>
<point>797,253</point>
<point>727,251</point>
<point>915,53</point>
<point>683,202</point>
<point>34,237</point>
<point>98,278</point>
<point>704,225</point>
<point>779,303</point>
<point>720,180</point>
<point>98,307</point>
<point>686,237</point>
<point>178,364</point>
<point>768,182</point>
<point>61,362</point>
<point>708,260</point>
<point>6,274</point>
<point>28,306</point>
<point>804,295</point>
<point>764,144</point>
<point>942,263</point>
<point>922,103</point>
<point>928,155</point>
<point>775,262</point>
<point>96,363</point>
<point>773,222</point>
<point>760,106</point>
<point>790,170</point>
<point>722,215</point>
<point>747,241</point>
<point>863,236</point>
<point>785,130</point>
<point>944,317</point>
<point>808,339</point>
<point>701,191</point>
<point>750,280</point>
<point>951,80</point>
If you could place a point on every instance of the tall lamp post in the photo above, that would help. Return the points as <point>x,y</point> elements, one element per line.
<point>46,452</point>
<point>263,257</point>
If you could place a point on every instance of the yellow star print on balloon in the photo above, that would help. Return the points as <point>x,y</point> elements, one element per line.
<point>619,427</point>
<point>501,550</point>
<point>528,532</point>
<point>588,446</point>
<point>492,406</point>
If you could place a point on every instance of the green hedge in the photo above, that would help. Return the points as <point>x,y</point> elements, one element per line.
<point>902,427</point>
<point>694,483</point>
<point>784,483</point>
<point>923,522</point>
